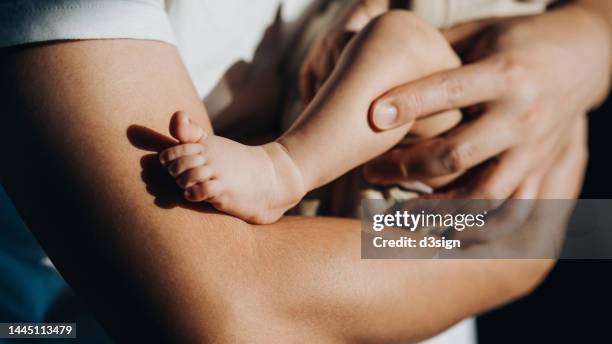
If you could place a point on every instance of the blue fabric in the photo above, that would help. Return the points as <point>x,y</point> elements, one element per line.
<point>31,291</point>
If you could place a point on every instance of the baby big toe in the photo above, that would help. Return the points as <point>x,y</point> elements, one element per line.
<point>184,129</point>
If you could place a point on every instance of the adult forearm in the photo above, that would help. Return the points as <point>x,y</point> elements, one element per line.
<point>315,275</point>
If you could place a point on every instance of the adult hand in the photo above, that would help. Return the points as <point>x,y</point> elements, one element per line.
<point>534,77</point>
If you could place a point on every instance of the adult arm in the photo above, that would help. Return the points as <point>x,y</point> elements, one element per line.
<point>77,164</point>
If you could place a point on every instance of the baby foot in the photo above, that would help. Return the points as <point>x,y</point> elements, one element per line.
<point>255,183</point>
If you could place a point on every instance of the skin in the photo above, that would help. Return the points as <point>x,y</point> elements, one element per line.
<point>254,183</point>
<point>328,46</point>
<point>218,170</point>
<point>527,99</point>
<point>84,123</point>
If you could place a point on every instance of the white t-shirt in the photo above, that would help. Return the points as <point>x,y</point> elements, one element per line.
<point>211,36</point>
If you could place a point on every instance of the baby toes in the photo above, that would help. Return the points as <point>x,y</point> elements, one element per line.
<point>194,176</point>
<point>203,191</point>
<point>169,155</point>
<point>180,165</point>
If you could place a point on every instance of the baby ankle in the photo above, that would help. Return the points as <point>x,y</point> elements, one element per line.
<point>288,174</point>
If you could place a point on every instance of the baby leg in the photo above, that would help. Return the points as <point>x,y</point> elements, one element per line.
<point>333,136</point>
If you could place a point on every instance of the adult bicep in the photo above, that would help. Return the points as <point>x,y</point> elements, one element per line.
<point>79,164</point>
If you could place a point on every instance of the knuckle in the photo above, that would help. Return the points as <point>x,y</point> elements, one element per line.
<point>411,104</point>
<point>527,119</point>
<point>509,66</point>
<point>451,88</point>
<point>457,157</point>
<point>516,77</point>
<point>529,123</point>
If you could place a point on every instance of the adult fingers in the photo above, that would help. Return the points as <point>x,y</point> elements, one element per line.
<point>433,126</point>
<point>503,176</point>
<point>456,88</point>
<point>559,176</point>
<point>505,220</point>
<point>461,149</point>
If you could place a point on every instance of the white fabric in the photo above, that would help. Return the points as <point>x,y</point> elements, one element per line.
<point>211,36</point>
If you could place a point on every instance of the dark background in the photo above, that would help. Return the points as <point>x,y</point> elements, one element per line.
<point>573,304</point>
